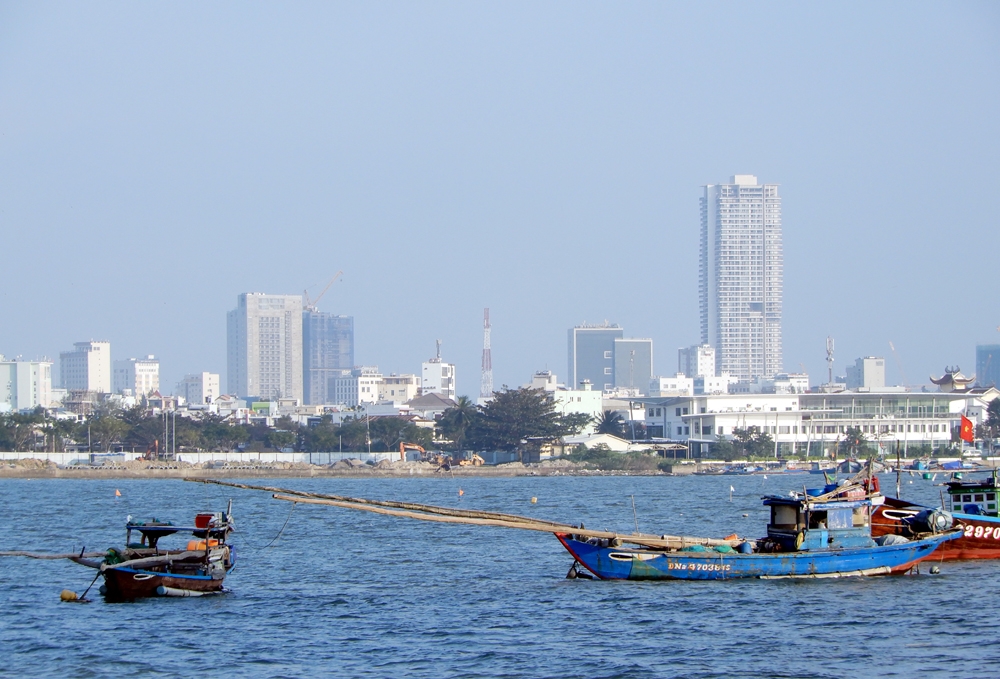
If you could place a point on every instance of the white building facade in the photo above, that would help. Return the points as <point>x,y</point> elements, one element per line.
<point>398,388</point>
<point>136,376</point>
<point>741,276</point>
<point>87,367</point>
<point>25,385</point>
<point>438,377</point>
<point>200,388</point>
<point>356,387</point>
<point>812,424</point>
<point>265,346</point>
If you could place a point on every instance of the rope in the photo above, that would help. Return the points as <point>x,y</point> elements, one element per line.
<point>273,540</point>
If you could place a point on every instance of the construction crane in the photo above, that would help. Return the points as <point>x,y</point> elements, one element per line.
<point>310,304</point>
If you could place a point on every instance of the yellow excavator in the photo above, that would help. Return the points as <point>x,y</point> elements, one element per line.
<point>403,447</point>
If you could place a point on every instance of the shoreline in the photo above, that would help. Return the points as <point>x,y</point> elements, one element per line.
<point>179,472</point>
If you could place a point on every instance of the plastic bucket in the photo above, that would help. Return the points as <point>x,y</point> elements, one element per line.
<point>814,492</point>
<point>203,520</point>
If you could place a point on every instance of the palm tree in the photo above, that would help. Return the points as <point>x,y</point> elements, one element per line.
<point>610,422</point>
<point>456,420</point>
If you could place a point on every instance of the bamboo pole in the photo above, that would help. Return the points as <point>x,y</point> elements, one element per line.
<point>38,555</point>
<point>430,509</point>
<point>525,523</point>
<point>154,560</point>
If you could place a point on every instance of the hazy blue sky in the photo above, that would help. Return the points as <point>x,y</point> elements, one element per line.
<point>543,159</point>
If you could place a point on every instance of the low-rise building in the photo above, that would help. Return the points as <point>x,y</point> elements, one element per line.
<point>399,388</point>
<point>357,386</point>
<point>815,423</point>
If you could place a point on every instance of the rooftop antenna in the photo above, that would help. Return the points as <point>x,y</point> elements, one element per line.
<point>438,350</point>
<point>829,359</point>
<point>486,385</point>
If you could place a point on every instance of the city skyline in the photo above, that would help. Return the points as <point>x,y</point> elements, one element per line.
<point>445,171</point>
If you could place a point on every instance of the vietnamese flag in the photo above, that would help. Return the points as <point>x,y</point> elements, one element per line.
<point>967,433</point>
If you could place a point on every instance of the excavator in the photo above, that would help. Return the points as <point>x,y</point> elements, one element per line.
<point>438,458</point>
<point>403,447</point>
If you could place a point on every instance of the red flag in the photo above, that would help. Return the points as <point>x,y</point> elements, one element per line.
<point>967,433</point>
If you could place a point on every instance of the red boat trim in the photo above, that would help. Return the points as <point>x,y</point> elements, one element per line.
<point>561,537</point>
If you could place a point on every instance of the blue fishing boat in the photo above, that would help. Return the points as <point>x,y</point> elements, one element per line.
<point>815,534</point>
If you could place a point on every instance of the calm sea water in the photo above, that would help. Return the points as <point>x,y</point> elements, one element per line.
<point>345,593</point>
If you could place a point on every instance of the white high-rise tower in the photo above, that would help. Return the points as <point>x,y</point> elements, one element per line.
<point>265,346</point>
<point>740,276</point>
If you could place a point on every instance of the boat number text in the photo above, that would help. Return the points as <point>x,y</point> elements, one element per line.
<point>980,532</point>
<point>674,566</point>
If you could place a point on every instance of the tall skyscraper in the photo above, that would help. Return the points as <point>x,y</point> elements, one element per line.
<point>740,276</point>
<point>265,346</point>
<point>327,350</point>
<point>591,355</point>
<point>86,368</point>
<point>988,365</point>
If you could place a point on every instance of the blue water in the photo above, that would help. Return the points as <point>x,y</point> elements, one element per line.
<point>345,593</point>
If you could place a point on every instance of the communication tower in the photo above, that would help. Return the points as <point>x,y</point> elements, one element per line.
<point>486,386</point>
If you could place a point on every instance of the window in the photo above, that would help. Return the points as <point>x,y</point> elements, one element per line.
<point>607,371</point>
<point>657,412</point>
<point>678,412</point>
<point>607,354</point>
<point>720,431</point>
<point>650,414</point>
<point>680,431</point>
<point>685,411</point>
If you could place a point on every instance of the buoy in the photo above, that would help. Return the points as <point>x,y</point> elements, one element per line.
<point>118,493</point>
<point>534,500</point>
<point>461,492</point>
<point>67,595</point>
<point>935,570</point>
<point>745,515</point>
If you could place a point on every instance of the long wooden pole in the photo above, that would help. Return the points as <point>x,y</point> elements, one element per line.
<point>431,509</point>
<point>37,555</point>
<point>525,523</point>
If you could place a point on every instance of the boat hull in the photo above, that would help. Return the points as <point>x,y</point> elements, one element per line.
<point>618,563</point>
<point>980,538</point>
<point>127,584</point>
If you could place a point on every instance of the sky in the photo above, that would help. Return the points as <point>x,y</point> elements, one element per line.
<point>544,160</point>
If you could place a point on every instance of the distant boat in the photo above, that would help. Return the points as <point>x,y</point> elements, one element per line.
<point>812,535</point>
<point>973,506</point>
<point>145,569</point>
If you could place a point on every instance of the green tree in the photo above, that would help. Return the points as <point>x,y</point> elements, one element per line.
<point>18,430</point>
<point>610,422</point>
<point>106,429</point>
<point>854,442</point>
<point>323,436</point>
<point>515,415</point>
<point>454,422</point>
<point>723,449</point>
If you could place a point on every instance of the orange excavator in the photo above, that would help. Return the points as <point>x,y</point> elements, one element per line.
<point>403,447</point>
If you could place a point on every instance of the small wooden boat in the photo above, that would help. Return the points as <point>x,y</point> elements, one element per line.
<point>145,569</point>
<point>809,536</point>
<point>973,506</point>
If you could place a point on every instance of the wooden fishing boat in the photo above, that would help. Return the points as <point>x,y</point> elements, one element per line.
<point>810,535</point>
<point>145,569</point>
<point>973,506</point>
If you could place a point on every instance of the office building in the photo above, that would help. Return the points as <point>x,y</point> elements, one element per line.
<point>741,275</point>
<point>398,388</point>
<point>86,368</point>
<point>591,355</point>
<point>200,388</point>
<point>438,377</point>
<point>136,376</point>
<point>988,365</point>
<point>25,385</point>
<point>633,365</point>
<point>867,373</point>
<point>696,360</point>
<point>358,386</point>
<point>327,350</point>
<point>265,346</point>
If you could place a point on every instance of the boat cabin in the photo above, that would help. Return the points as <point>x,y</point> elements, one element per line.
<point>798,523</point>
<point>978,498</point>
